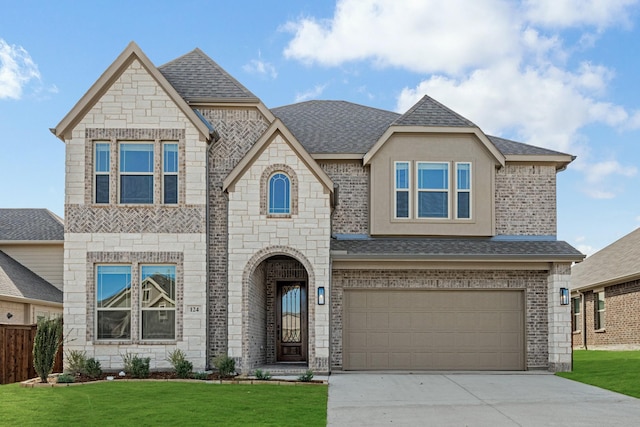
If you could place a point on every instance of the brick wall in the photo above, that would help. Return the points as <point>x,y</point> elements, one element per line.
<point>525,200</point>
<point>535,283</point>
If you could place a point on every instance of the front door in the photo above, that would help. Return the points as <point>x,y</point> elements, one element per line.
<point>291,321</point>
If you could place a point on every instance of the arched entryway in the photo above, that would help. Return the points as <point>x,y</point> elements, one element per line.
<point>276,310</point>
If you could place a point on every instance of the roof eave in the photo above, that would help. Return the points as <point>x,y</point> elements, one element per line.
<point>341,255</point>
<point>608,282</point>
<point>27,300</point>
<point>561,161</point>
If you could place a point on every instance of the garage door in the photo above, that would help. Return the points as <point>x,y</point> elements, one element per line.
<point>429,329</point>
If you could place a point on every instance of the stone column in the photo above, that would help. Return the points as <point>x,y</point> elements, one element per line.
<point>560,351</point>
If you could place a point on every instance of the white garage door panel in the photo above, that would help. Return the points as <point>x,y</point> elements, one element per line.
<point>409,329</point>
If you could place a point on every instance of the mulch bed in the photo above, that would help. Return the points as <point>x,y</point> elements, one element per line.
<point>162,375</point>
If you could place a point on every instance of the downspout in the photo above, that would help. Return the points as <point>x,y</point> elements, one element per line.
<point>583,306</point>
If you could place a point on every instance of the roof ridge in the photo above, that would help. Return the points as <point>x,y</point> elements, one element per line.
<point>423,101</point>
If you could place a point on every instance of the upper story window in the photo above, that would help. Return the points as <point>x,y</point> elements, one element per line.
<point>102,163</point>
<point>279,194</point>
<point>170,173</point>
<point>438,192</point>
<point>136,173</point>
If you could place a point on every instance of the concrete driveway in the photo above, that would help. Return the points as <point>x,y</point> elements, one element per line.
<point>474,399</point>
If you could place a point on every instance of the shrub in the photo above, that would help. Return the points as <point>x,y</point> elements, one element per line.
<point>176,356</point>
<point>200,376</point>
<point>306,377</point>
<point>76,361</point>
<point>45,346</point>
<point>92,368</point>
<point>183,369</point>
<point>263,375</point>
<point>136,366</point>
<point>226,365</point>
<point>65,378</point>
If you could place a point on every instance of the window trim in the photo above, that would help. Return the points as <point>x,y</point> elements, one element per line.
<point>419,190</point>
<point>289,195</point>
<point>99,309</point>
<point>152,173</point>
<point>176,173</point>
<point>162,307</point>
<point>576,316</point>
<point>599,324</point>
<point>396,190</point>
<point>97,173</point>
<point>457,191</point>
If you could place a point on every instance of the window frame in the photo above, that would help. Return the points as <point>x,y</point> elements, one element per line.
<point>162,309</point>
<point>457,190</point>
<point>576,303</point>
<point>166,173</point>
<point>99,309</point>
<point>97,173</point>
<point>599,314</point>
<point>122,144</point>
<point>270,207</point>
<point>446,191</point>
<point>397,190</point>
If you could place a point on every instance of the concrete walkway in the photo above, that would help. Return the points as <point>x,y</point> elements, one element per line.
<point>474,399</point>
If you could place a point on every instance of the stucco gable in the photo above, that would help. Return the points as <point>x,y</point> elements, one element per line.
<point>277,127</point>
<point>131,53</point>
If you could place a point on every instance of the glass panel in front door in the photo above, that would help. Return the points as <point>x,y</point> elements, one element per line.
<point>291,331</point>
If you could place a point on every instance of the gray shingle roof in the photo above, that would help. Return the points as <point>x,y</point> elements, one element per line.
<point>614,264</point>
<point>508,147</point>
<point>18,281</point>
<point>429,112</point>
<point>470,247</point>
<point>195,76</point>
<point>335,126</point>
<point>30,224</point>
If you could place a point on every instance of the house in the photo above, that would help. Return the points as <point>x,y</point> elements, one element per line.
<point>31,262</point>
<point>605,297</point>
<point>325,234</point>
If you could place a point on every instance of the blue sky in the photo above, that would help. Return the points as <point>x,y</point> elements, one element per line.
<point>561,74</point>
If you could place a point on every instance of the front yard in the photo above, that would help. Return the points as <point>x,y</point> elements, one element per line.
<point>613,370</point>
<point>164,403</point>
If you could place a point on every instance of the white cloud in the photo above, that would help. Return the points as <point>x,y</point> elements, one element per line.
<point>578,13</point>
<point>588,250</point>
<point>258,66</point>
<point>311,94</point>
<point>17,69</point>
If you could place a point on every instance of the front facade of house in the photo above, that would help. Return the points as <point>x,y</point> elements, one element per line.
<point>605,297</point>
<point>325,234</point>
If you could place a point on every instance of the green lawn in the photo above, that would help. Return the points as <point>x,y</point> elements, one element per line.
<point>164,403</point>
<point>614,370</point>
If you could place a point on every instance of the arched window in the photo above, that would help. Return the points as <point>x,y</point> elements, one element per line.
<point>279,194</point>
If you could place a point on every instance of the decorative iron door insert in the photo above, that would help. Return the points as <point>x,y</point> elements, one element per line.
<point>291,321</point>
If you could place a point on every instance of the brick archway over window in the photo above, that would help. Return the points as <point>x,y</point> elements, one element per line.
<point>264,188</point>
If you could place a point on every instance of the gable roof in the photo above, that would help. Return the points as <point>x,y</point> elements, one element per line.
<point>30,225</point>
<point>517,151</point>
<point>17,281</point>
<point>429,112</point>
<point>131,53</point>
<point>277,127</point>
<point>617,263</point>
<point>198,78</point>
<point>335,126</point>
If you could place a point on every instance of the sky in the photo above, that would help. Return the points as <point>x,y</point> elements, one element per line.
<point>560,74</point>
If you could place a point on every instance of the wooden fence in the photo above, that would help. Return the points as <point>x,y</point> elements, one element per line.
<point>16,353</point>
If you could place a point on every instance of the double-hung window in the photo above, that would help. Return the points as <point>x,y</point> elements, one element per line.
<point>433,190</point>
<point>102,166</point>
<point>279,194</point>
<point>136,173</point>
<point>158,305</point>
<point>113,302</point>
<point>575,305</point>
<point>463,190</point>
<point>170,173</point>
<point>402,189</point>
<point>599,310</point>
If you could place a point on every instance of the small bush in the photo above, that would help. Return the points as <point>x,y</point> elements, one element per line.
<point>176,356</point>
<point>45,346</point>
<point>226,365</point>
<point>136,366</point>
<point>65,378</point>
<point>183,369</point>
<point>76,361</point>
<point>306,377</point>
<point>92,368</point>
<point>200,376</point>
<point>263,375</point>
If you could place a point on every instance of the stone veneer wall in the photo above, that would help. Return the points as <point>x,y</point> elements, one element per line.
<point>559,318</point>
<point>621,320</point>
<point>525,200</point>
<point>351,214</point>
<point>239,129</point>
<point>535,283</point>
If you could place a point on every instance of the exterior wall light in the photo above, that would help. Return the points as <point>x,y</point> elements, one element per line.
<point>321,295</point>
<point>564,296</point>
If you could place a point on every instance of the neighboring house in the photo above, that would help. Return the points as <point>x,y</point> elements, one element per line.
<point>31,263</point>
<point>326,233</point>
<point>605,297</point>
